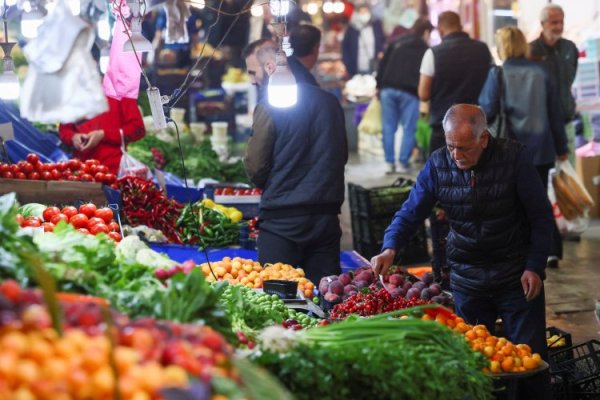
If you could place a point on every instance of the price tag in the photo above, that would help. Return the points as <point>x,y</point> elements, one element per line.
<point>6,131</point>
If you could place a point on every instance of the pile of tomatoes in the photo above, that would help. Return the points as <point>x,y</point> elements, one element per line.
<point>87,219</point>
<point>232,191</point>
<point>72,170</point>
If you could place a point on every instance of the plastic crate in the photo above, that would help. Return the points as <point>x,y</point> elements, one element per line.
<point>552,346</point>
<point>248,209</point>
<point>560,387</point>
<point>181,253</point>
<point>582,371</point>
<point>372,211</point>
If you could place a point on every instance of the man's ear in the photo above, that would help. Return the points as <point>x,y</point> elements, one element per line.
<point>270,67</point>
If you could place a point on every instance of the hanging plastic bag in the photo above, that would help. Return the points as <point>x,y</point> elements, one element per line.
<point>131,166</point>
<point>371,120</point>
<point>567,193</point>
<point>423,134</point>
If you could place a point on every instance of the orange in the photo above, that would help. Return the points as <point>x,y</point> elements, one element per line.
<point>489,351</point>
<point>427,317</point>
<point>441,319</point>
<point>529,363</point>
<point>481,332</point>
<point>518,362</point>
<point>508,364</point>
<point>450,323</point>
<point>491,340</point>
<point>507,350</point>
<point>498,356</point>
<point>470,335</point>
<point>495,367</point>
<point>462,327</point>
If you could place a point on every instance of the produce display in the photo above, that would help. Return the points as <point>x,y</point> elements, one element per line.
<point>72,170</point>
<point>346,288</point>
<point>200,160</point>
<point>207,226</point>
<point>370,302</point>
<point>352,360</point>
<point>146,204</point>
<point>251,310</point>
<point>503,356</point>
<point>87,219</point>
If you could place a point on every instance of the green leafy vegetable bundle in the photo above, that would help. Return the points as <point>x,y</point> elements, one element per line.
<point>380,358</point>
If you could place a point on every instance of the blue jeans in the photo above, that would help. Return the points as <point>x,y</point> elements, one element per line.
<point>398,106</point>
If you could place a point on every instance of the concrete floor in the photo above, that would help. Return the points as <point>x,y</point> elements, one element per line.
<point>571,290</point>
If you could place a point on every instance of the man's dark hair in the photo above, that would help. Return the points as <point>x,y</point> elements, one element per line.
<point>252,47</point>
<point>421,26</point>
<point>450,20</point>
<point>304,38</point>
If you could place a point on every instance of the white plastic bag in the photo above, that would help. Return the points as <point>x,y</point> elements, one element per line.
<point>569,198</point>
<point>130,166</point>
<point>371,120</point>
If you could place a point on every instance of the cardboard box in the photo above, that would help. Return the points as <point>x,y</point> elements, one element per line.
<point>53,192</point>
<point>588,169</point>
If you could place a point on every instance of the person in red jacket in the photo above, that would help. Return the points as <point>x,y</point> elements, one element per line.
<point>100,137</point>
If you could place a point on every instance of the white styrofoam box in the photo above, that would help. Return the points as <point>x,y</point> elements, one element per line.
<point>588,73</point>
<point>592,47</point>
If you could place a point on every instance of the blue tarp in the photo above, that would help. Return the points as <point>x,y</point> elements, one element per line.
<point>28,139</point>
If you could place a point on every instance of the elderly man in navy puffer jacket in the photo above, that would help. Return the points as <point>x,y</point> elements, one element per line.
<point>500,230</point>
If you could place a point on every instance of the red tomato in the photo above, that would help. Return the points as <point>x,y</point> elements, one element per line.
<point>47,176</point>
<point>20,219</point>
<point>59,217</point>
<point>79,221</point>
<point>94,221</point>
<point>218,191</point>
<point>102,168</point>
<point>88,209</point>
<point>74,164</point>
<point>99,177</point>
<point>8,175</point>
<point>69,211</point>
<point>20,175</point>
<point>14,168</point>
<point>83,230</point>
<point>33,222</point>
<point>115,236</point>
<point>114,227</point>
<point>48,226</point>
<point>74,178</point>
<point>56,175</point>
<point>50,212</point>
<point>62,166</point>
<point>109,178</point>
<point>34,176</point>
<point>33,158</point>
<point>256,191</point>
<point>96,229</point>
<point>105,213</point>
<point>91,162</point>
<point>27,168</point>
<point>86,178</point>
<point>66,173</point>
<point>227,191</point>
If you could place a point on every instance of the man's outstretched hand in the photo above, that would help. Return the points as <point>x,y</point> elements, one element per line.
<point>382,262</point>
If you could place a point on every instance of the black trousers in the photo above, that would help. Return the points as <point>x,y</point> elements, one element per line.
<point>310,242</point>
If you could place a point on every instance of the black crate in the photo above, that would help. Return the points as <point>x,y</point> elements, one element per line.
<point>372,211</point>
<point>582,371</point>
<point>560,388</point>
<point>555,345</point>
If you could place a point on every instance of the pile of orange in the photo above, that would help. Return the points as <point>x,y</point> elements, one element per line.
<point>503,355</point>
<point>240,271</point>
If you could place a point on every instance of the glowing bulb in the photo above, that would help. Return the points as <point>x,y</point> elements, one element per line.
<point>103,28</point>
<point>312,8</point>
<point>256,10</point>
<point>280,8</point>
<point>339,7</point>
<point>26,6</point>
<point>199,4</point>
<point>282,90</point>
<point>328,7</point>
<point>10,3</point>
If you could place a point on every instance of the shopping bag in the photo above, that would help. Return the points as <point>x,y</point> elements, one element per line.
<point>371,120</point>
<point>130,166</point>
<point>423,135</point>
<point>570,197</point>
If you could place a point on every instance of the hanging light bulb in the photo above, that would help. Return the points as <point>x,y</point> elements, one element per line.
<point>30,22</point>
<point>279,8</point>
<point>9,82</point>
<point>137,42</point>
<point>256,10</point>
<point>339,7</point>
<point>312,8</point>
<point>328,7</point>
<point>104,58</point>
<point>282,90</point>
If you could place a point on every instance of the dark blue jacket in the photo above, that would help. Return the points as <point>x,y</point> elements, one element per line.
<point>499,214</point>
<point>297,155</point>
<point>531,106</point>
<point>350,46</point>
